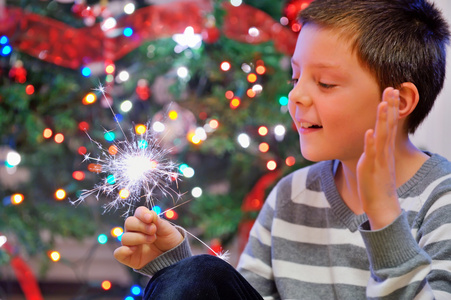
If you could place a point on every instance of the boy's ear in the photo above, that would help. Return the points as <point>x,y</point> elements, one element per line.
<point>408,99</point>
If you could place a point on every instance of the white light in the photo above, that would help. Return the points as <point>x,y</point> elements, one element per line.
<point>188,172</point>
<point>244,140</point>
<point>158,127</point>
<point>188,39</point>
<point>200,133</point>
<point>123,76</point>
<point>254,32</point>
<point>257,88</point>
<point>108,24</point>
<point>246,68</point>
<point>182,72</point>
<point>126,106</point>
<point>196,192</point>
<point>3,239</point>
<point>13,158</point>
<point>138,166</point>
<point>236,3</point>
<point>129,8</point>
<point>279,130</point>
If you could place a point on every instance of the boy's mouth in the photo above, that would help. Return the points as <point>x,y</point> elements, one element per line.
<point>309,125</point>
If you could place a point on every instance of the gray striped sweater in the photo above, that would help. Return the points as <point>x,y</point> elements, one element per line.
<point>307,244</point>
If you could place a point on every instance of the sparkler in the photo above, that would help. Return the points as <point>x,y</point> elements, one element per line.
<point>135,169</point>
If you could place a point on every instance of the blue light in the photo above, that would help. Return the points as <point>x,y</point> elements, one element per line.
<point>136,290</point>
<point>119,117</point>
<point>6,50</point>
<point>7,200</point>
<point>86,72</point>
<point>129,298</point>
<point>283,100</point>
<point>102,239</point>
<point>157,209</point>
<point>128,31</point>
<point>3,40</point>
<point>119,238</point>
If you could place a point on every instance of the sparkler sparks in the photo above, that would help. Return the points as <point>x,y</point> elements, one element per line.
<point>134,168</point>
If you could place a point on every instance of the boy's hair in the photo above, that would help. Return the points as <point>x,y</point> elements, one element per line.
<point>398,40</point>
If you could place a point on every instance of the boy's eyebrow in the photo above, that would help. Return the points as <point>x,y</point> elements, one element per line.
<point>319,65</point>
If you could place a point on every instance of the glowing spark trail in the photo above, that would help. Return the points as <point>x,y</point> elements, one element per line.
<point>137,168</point>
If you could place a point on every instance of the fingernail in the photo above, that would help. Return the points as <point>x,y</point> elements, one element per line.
<point>396,93</point>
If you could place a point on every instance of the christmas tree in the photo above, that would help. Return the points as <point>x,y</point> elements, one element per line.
<point>209,82</point>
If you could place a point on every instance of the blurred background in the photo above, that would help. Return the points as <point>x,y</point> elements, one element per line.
<point>208,79</point>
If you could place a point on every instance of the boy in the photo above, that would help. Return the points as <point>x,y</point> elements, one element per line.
<point>371,219</point>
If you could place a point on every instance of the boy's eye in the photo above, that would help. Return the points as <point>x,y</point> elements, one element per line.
<point>325,85</point>
<point>293,82</point>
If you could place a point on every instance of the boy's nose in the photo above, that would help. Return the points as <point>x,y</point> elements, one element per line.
<point>299,95</point>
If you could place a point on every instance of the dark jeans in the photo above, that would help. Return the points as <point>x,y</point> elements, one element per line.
<point>199,277</point>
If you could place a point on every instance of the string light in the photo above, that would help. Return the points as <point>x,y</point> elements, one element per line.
<point>94,168</point>
<point>252,78</point>
<point>290,161</point>
<point>263,147</point>
<point>140,129</point>
<point>244,140</point>
<point>173,115</point>
<point>196,192</point>
<point>106,285</point>
<point>60,194</point>
<point>271,165</point>
<point>225,66</point>
<point>29,89</point>
<point>229,95</point>
<point>112,150</point>
<point>59,138</point>
<point>83,126</point>
<point>90,98</point>
<point>250,93</point>
<point>47,133</point>
<point>86,72</point>
<point>16,199</point>
<point>55,256</point>
<point>78,175</point>
<point>263,130</point>
<point>13,158</point>
<point>117,231</point>
<point>102,239</point>
<point>235,102</point>
<point>82,150</point>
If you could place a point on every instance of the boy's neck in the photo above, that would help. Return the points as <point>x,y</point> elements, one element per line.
<point>408,160</point>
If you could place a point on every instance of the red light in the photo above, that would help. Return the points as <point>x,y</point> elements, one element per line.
<point>250,93</point>
<point>170,214</point>
<point>82,150</point>
<point>229,95</point>
<point>78,175</point>
<point>95,168</point>
<point>29,89</point>
<point>290,161</point>
<point>83,126</point>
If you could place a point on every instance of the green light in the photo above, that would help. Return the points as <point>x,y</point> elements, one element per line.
<point>111,179</point>
<point>142,144</point>
<point>102,239</point>
<point>283,100</point>
<point>109,136</point>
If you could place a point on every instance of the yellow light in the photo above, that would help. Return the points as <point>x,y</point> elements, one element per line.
<point>110,69</point>
<point>17,199</point>
<point>117,231</point>
<point>89,99</point>
<point>252,78</point>
<point>47,133</point>
<point>55,256</point>
<point>262,130</point>
<point>195,140</point>
<point>250,93</point>
<point>140,129</point>
<point>173,115</point>
<point>60,194</point>
<point>106,285</point>
<point>271,165</point>
<point>235,103</point>
<point>260,70</point>
<point>124,193</point>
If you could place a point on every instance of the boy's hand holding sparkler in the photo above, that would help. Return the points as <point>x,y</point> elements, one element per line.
<point>146,237</point>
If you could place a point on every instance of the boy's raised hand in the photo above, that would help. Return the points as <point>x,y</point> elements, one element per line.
<point>146,236</point>
<point>376,167</point>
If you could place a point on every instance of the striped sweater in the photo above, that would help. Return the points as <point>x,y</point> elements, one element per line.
<point>307,244</point>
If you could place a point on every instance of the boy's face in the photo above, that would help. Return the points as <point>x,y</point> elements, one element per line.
<point>333,92</point>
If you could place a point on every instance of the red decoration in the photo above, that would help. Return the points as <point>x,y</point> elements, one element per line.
<point>18,72</point>
<point>292,10</point>
<point>143,90</point>
<point>211,35</point>
<point>24,275</point>
<point>61,44</point>
<point>255,198</point>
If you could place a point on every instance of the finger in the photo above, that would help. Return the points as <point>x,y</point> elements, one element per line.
<point>123,253</point>
<point>136,239</point>
<point>133,224</point>
<point>145,215</point>
<point>393,116</point>
<point>381,128</point>
<point>369,150</point>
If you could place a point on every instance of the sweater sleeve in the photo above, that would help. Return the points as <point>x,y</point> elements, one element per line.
<point>255,261</point>
<point>405,268</point>
<point>169,257</point>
